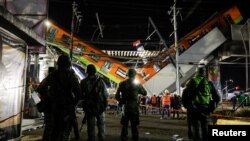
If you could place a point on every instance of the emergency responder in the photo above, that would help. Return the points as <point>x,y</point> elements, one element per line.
<point>197,95</point>
<point>153,102</point>
<point>95,91</point>
<point>60,91</point>
<point>127,95</point>
<point>166,103</point>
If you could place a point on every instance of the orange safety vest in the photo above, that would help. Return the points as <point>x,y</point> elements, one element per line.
<point>153,100</point>
<point>166,100</point>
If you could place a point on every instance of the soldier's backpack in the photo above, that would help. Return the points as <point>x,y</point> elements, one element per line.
<point>203,92</point>
<point>96,102</point>
<point>200,91</point>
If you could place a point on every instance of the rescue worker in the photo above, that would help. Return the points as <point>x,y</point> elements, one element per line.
<point>143,105</point>
<point>127,95</point>
<point>153,102</point>
<point>234,100</point>
<point>60,91</point>
<point>166,103</point>
<point>92,85</point>
<point>196,97</point>
<point>176,105</point>
<point>159,103</point>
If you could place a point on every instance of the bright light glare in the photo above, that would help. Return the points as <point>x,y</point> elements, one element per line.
<point>47,23</point>
<point>136,81</point>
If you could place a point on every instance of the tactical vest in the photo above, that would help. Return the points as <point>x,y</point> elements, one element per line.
<point>203,91</point>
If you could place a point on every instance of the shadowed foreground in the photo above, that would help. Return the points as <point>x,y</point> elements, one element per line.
<point>151,128</point>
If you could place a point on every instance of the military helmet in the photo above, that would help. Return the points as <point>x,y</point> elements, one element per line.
<point>131,73</point>
<point>201,69</point>
<point>91,69</point>
<point>63,61</point>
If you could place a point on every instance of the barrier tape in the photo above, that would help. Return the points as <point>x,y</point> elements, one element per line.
<point>213,115</point>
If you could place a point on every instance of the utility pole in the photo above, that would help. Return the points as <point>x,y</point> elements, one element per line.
<point>75,14</point>
<point>245,31</point>
<point>174,21</point>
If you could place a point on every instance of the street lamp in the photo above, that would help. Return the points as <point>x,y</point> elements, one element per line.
<point>47,23</point>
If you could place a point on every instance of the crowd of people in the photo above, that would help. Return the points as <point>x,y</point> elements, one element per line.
<point>61,91</point>
<point>162,104</point>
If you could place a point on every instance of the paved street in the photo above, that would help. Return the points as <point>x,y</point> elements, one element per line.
<point>152,128</point>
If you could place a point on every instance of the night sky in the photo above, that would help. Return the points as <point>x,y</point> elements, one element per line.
<point>126,21</point>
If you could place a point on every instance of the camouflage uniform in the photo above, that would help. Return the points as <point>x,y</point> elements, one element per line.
<point>127,95</point>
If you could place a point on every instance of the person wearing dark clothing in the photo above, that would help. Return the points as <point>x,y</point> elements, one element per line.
<point>166,103</point>
<point>159,104</point>
<point>143,105</point>
<point>60,91</point>
<point>91,85</point>
<point>153,102</point>
<point>76,129</point>
<point>234,101</point>
<point>176,105</point>
<point>197,95</point>
<point>127,95</point>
